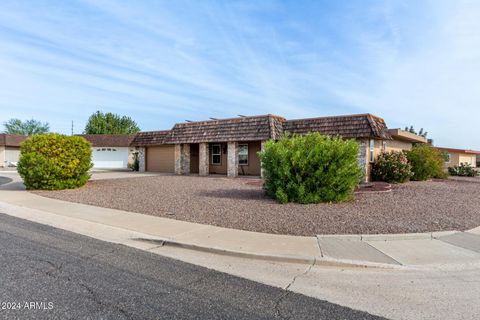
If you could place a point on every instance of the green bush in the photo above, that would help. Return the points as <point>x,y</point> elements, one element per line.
<point>463,170</point>
<point>310,168</point>
<point>392,167</point>
<point>54,161</point>
<point>427,162</point>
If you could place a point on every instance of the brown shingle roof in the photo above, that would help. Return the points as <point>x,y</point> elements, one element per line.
<point>224,130</point>
<point>11,140</point>
<point>350,126</point>
<point>149,138</point>
<point>109,140</point>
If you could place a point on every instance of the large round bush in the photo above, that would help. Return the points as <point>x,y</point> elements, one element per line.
<point>311,168</point>
<point>54,161</point>
<point>426,162</point>
<point>392,167</point>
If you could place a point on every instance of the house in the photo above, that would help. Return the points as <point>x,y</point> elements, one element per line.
<point>454,157</point>
<point>111,151</point>
<point>230,146</point>
<point>10,149</point>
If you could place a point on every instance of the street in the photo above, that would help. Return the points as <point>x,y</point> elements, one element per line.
<point>48,273</point>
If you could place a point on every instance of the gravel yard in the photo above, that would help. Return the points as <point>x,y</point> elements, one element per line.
<point>241,204</point>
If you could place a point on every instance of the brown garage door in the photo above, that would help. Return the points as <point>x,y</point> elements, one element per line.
<point>161,159</point>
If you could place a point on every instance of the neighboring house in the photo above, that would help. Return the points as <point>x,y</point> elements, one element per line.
<point>111,151</point>
<point>230,146</point>
<point>10,149</point>
<point>457,156</point>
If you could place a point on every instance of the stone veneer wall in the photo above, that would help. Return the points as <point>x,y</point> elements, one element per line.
<point>182,158</point>
<point>363,159</point>
<point>203,159</point>
<point>141,159</point>
<point>232,159</point>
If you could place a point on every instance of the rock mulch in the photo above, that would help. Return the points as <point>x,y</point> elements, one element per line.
<point>242,204</point>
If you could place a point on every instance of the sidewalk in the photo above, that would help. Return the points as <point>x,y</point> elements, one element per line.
<point>392,251</point>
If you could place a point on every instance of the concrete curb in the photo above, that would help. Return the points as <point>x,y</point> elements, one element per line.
<point>388,237</point>
<point>324,261</point>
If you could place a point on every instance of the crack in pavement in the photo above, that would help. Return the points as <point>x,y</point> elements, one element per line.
<point>287,292</point>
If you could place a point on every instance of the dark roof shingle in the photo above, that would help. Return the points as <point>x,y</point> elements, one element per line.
<point>224,130</point>
<point>109,140</point>
<point>11,140</point>
<point>149,138</point>
<point>350,126</point>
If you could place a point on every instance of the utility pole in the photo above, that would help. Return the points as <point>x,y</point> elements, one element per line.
<point>72,127</point>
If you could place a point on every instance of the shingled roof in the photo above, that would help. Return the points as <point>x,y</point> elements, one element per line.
<point>109,140</point>
<point>11,140</point>
<point>223,130</point>
<point>350,126</point>
<point>150,138</point>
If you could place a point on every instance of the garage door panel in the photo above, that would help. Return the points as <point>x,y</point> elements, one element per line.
<point>161,159</point>
<point>110,158</point>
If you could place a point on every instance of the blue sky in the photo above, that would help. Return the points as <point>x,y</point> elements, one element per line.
<point>161,62</point>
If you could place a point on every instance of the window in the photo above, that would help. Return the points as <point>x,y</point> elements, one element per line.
<point>243,154</point>
<point>447,157</point>
<point>216,154</point>
<point>372,149</point>
<point>384,146</point>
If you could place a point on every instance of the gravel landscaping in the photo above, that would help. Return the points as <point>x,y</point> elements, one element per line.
<point>241,204</point>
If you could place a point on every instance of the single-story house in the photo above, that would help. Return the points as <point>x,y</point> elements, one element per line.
<point>230,146</point>
<point>454,157</point>
<point>111,151</point>
<point>10,149</point>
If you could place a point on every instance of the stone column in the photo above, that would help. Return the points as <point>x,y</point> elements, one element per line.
<point>141,159</point>
<point>363,159</point>
<point>262,147</point>
<point>182,158</point>
<point>178,158</point>
<point>186,158</point>
<point>232,159</point>
<point>203,159</point>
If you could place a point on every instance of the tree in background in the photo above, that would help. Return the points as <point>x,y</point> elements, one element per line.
<point>27,128</point>
<point>420,133</point>
<point>110,123</point>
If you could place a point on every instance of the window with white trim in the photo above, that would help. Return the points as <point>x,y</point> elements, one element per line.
<point>216,154</point>
<point>384,146</point>
<point>243,154</point>
<point>372,149</point>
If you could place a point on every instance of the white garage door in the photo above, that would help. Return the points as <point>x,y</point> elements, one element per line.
<point>110,157</point>
<point>12,155</point>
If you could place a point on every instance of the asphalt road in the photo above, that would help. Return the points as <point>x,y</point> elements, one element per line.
<point>48,273</point>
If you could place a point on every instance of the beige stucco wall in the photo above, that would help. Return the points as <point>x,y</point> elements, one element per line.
<point>397,145</point>
<point>391,145</point>
<point>456,158</point>
<point>253,167</point>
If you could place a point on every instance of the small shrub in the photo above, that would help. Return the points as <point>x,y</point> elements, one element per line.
<point>463,170</point>
<point>54,161</point>
<point>426,162</point>
<point>310,168</point>
<point>392,167</point>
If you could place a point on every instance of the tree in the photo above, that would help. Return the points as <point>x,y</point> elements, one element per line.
<point>27,128</point>
<point>421,133</point>
<point>110,123</point>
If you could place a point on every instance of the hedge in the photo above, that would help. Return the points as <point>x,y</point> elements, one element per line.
<point>310,168</point>
<point>54,161</point>
<point>427,162</point>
